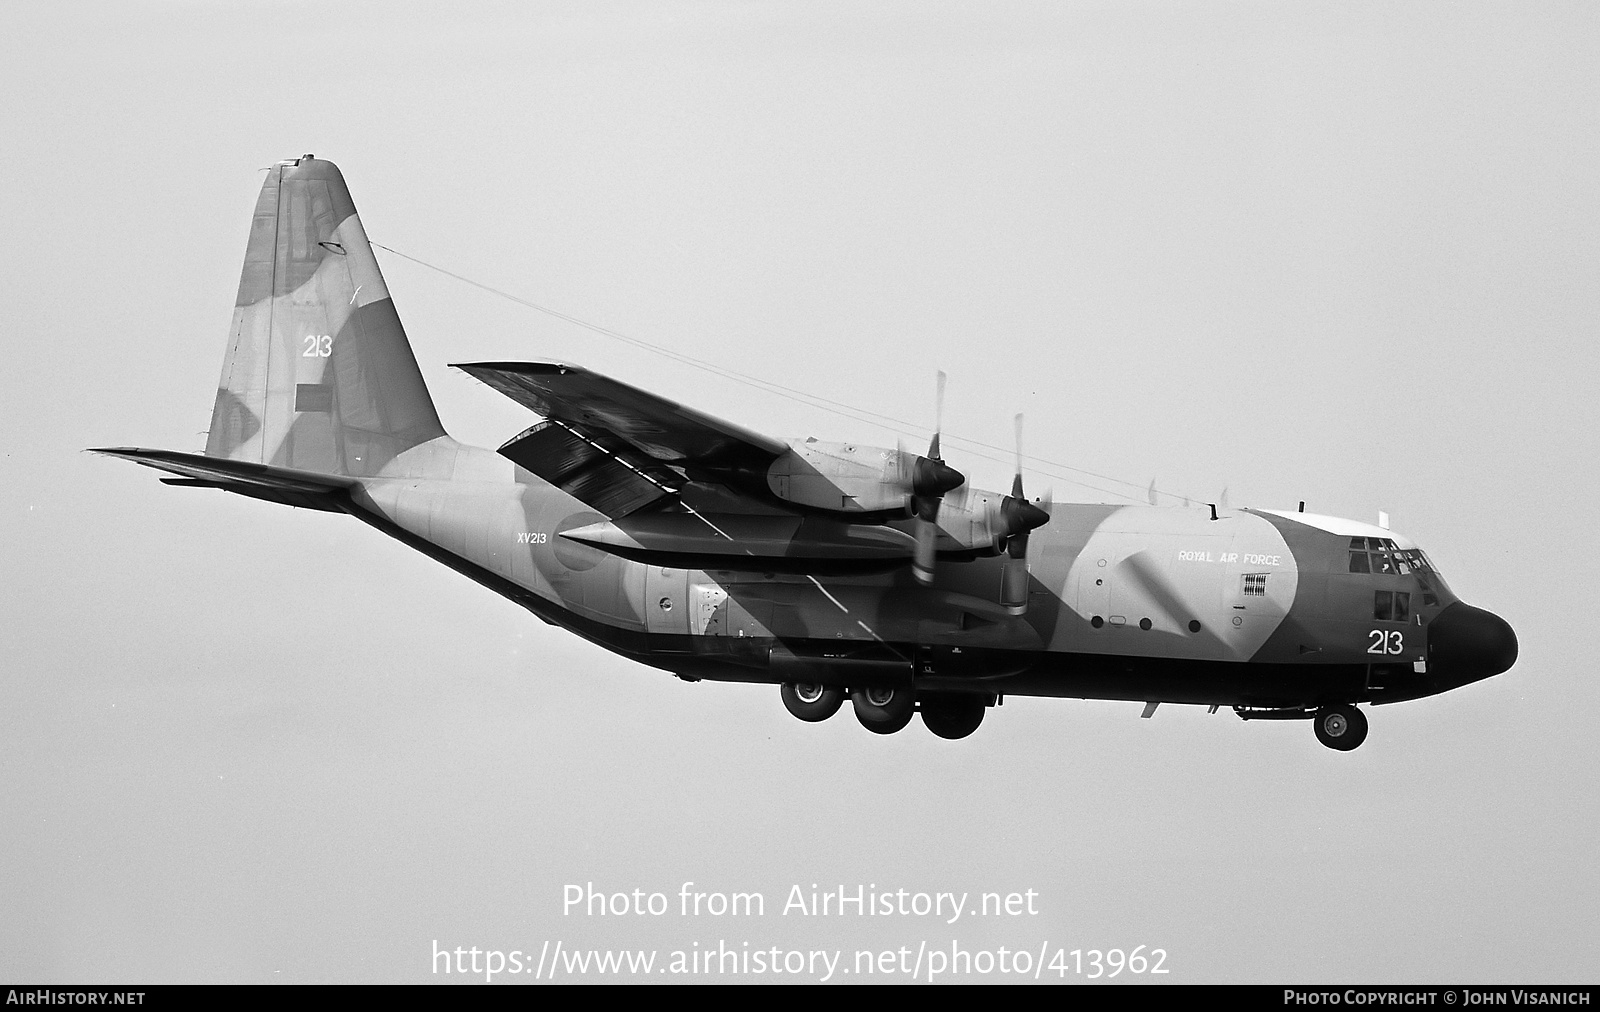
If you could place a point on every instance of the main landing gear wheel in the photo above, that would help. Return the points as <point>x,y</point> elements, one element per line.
<point>954,715</point>
<point>883,711</point>
<point>812,702</point>
<point>1341,727</point>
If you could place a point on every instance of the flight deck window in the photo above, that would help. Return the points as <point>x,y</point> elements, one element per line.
<point>1420,560</point>
<point>1391,606</point>
<point>1383,556</point>
<point>1429,597</point>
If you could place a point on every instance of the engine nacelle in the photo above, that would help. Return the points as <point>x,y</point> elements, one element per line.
<point>874,483</point>
<point>846,478</point>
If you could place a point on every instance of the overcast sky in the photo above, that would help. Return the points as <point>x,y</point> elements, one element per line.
<point>1341,253</point>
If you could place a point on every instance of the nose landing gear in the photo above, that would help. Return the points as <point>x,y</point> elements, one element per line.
<point>1341,727</point>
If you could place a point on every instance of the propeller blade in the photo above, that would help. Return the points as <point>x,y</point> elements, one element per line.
<point>1017,516</point>
<point>931,478</point>
<point>1016,483</point>
<point>1014,580</point>
<point>927,550</point>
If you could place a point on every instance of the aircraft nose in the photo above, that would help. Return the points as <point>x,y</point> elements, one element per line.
<point>1467,643</point>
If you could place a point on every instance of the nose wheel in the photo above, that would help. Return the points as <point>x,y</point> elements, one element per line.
<point>1341,727</point>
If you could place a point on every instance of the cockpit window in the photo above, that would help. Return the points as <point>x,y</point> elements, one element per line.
<point>1421,561</point>
<point>1391,606</point>
<point>1429,596</point>
<point>1383,556</point>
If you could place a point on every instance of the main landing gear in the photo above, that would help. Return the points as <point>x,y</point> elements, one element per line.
<point>883,711</point>
<point>887,710</point>
<point>953,715</point>
<point>811,703</point>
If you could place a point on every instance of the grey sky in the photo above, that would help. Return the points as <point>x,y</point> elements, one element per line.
<point>1341,253</point>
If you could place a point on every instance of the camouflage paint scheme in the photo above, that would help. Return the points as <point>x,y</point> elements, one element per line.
<point>696,546</point>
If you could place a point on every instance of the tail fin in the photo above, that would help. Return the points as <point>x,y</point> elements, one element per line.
<point>319,375</point>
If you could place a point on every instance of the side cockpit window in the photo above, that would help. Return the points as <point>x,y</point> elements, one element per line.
<point>1429,596</point>
<point>1391,606</point>
<point>1358,556</point>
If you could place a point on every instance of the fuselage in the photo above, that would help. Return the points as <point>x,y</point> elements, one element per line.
<point>705,548</point>
<point>1250,608</point>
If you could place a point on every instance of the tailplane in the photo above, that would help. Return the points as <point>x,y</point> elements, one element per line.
<point>319,376</point>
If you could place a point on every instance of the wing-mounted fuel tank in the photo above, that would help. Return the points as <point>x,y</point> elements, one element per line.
<point>739,542</point>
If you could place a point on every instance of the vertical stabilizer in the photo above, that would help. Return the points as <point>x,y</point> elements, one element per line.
<point>319,375</point>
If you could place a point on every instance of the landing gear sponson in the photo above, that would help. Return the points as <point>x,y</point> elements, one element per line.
<point>887,710</point>
<point>954,715</point>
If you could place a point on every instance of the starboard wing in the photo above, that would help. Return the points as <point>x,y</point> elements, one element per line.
<point>613,446</point>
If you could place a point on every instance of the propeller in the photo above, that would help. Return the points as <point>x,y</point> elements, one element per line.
<point>1018,516</point>
<point>931,478</point>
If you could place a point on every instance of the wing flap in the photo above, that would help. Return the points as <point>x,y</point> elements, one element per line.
<point>594,474</point>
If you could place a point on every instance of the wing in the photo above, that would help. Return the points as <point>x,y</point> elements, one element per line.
<point>613,446</point>
<point>654,426</point>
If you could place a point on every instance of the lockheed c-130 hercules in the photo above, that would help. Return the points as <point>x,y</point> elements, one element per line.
<point>833,570</point>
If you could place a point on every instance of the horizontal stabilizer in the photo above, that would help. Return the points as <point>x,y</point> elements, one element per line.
<point>259,481</point>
